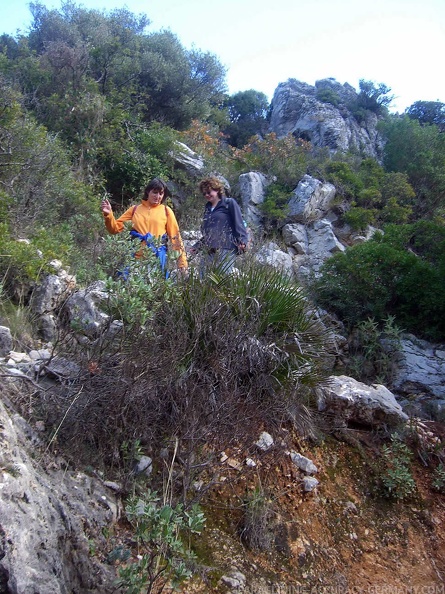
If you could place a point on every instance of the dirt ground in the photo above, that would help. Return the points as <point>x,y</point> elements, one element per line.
<point>343,537</point>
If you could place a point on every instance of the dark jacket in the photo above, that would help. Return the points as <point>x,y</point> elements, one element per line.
<point>223,228</point>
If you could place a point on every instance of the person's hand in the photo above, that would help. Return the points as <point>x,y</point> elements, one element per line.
<point>106,207</point>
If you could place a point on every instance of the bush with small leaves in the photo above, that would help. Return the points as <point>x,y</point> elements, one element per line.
<point>439,478</point>
<point>396,477</point>
<point>164,558</point>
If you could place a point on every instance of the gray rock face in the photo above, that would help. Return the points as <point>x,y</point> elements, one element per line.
<point>54,289</point>
<point>188,159</point>
<point>252,189</point>
<point>311,200</point>
<point>296,110</point>
<point>83,309</point>
<point>420,368</point>
<point>351,401</point>
<point>272,255</point>
<point>5,341</point>
<point>313,244</point>
<point>46,521</point>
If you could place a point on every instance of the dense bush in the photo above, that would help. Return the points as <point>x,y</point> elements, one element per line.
<point>382,277</point>
<point>213,358</point>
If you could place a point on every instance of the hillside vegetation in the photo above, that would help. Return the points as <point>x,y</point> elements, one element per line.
<point>93,106</point>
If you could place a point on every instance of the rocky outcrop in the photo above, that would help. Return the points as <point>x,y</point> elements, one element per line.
<point>48,297</point>
<point>48,520</point>
<point>418,376</point>
<point>350,401</point>
<point>310,200</point>
<point>296,109</point>
<point>252,189</point>
<point>187,159</point>
<point>313,244</point>
<point>5,341</point>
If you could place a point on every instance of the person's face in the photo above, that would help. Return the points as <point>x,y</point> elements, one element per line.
<point>210,195</point>
<point>155,197</point>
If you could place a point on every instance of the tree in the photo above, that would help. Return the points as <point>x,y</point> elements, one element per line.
<point>374,97</point>
<point>371,98</point>
<point>248,111</point>
<point>419,152</point>
<point>428,112</point>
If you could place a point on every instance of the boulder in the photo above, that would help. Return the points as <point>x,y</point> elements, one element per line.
<point>350,401</point>
<point>83,312</point>
<point>5,341</point>
<point>188,159</point>
<point>253,189</point>
<point>311,200</point>
<point>419,368</point>
<point>271,254</point>
<point>312,243</point>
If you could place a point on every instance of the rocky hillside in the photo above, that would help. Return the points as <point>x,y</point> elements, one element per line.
<point>297,108</point>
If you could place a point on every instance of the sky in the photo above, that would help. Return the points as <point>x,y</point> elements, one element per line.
<point>262,43</point>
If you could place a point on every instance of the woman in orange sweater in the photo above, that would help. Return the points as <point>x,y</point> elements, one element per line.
<point>150,220</point>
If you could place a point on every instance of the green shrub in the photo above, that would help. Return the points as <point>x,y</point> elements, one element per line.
<point>202,358</point>
<point>23,262</point>
<point>164,556</point>
<point>376,279</point>
<point>359,218</point>
<point>276,204</point>
<point>346,181</point>
<point>396,477</point>
<point>328,96</point>
<point>393,212</point>
<point>439,478</point>
<point>370,357</point>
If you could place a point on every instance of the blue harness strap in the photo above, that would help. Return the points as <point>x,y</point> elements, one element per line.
<point>159,251</point>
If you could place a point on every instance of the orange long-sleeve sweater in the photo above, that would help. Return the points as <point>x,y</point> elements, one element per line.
<point>156,220</point>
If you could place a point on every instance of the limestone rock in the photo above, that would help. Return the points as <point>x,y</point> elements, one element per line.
<point>311,199</point>
<point>46,521</point>
<point>5,341</point>
<point>420,367</point>
<point>296,110</point>
<point>351,401</point>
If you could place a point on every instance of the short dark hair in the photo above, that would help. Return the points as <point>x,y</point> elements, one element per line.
<point>156,184</point>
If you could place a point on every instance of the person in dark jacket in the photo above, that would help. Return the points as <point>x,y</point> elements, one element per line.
<point>224,234</point>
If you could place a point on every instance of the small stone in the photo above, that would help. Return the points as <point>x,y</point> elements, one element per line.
<point>265,441</point>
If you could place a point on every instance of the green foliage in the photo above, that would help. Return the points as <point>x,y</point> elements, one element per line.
<point>438,482</point>
<point>247,110</point>
<point>358,218</point>
<point>275,207</point>
<point>22,262</point>
<point>373,98</point>
<point>396,476</point>
<point>428,112</point>
<point>199,351</point>
<point>381,278</point>
<point>419,152</point>
<point>328,96</point>
<point>372,350</point>
<point>136,299</point>
<point>375,197</point>
<point>285,158</point>
<point>346,182</point>
<point>393,212</point>
<point>164,556</point>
